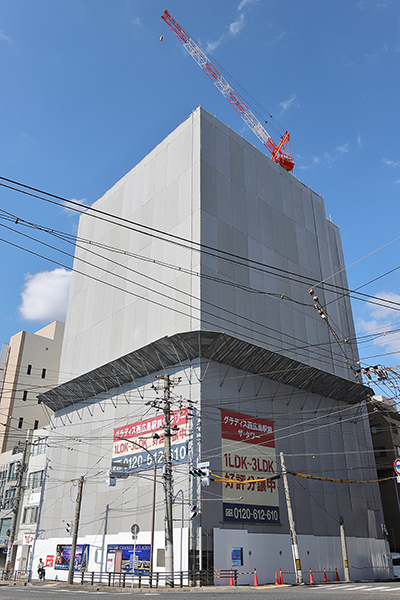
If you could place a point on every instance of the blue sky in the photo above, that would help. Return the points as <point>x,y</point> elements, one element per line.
<point>88,90</point>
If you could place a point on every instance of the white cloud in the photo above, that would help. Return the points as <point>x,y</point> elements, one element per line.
<point>74,206</point>
<point>382,319</point>
<point>390,163</point>
<point>244,2</point>
<point>4,37</point>
<point>328,159</point>
<point>359,142</point>
<point>211,46</point>
<point>136,21</point>
<point>287,103</point>
<point>234,28</point>
<point>343,149</point>
<point>237,26</point>
<point>45,296</point>
<point>397,180</point>
<point>280,36</point>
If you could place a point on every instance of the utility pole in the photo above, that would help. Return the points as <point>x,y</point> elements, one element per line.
<point>344,550</point>
<point>16,505</point>
<point>293,536</point>
<point>169,542</point>
<point>75,534</point>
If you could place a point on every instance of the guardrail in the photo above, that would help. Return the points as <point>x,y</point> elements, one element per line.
<point>139,580</point>
<point>180,578</point>
<point>16,575</point>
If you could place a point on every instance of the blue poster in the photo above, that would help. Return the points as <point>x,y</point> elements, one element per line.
<point>63,557</point>
<point>135,559</point>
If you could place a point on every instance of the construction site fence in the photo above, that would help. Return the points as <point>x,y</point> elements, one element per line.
<point>139,580</point>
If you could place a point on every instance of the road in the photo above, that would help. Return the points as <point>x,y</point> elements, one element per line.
<point>353,591</point>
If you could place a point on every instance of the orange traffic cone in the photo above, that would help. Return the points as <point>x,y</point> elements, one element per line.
<point>276,578</point>
<point>231,579</point>
<point>255,577</point>
<point>337,575</point>
<point>280,577</point>
<point>311,576</point>
<point>325,577</point>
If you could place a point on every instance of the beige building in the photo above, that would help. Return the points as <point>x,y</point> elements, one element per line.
<point>29,365</point>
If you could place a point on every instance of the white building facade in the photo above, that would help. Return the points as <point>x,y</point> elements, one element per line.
<point>198,264</point>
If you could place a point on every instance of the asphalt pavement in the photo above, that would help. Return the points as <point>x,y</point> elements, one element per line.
<point>333,591</point>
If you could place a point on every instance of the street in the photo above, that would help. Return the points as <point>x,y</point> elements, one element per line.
<point>354,591</point>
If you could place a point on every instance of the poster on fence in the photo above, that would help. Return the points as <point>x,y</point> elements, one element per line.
<point>63,557</point>
<point>248,455</point>
<point>129,457</point>
<point>128,558</point>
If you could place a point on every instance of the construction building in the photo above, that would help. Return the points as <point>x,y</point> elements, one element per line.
<point>196,268</point>
<point>385,422</point>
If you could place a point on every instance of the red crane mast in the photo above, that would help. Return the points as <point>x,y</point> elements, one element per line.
<point>280,152</point>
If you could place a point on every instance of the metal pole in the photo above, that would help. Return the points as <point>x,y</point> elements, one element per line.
<point>16,505</point>
<point>32,556</point>
<point>344,551</point>
<point>154,503</point>
<point>293,536</point>
<point>75,534</point>
<point>169,542</point>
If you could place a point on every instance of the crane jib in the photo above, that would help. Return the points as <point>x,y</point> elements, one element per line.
<point>280,152</point>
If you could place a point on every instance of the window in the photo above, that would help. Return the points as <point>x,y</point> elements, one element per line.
<point>30,514</point>
<point>34,480</point>
<point>5,525</point>
<point>24,396</point>
<point>13,471</point>
<point>43,373</point>
<point>376,428</point>
<point>380,452</point>
<point>36,424</point>
<point>394,428</point>
<point>29,370</point>
<point>9,496</point>
<point>397,451</point>
<point>20,422</point>
<point>39,446</point>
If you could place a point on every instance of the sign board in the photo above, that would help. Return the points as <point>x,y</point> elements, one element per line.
<point>135,557</point>
<point>237,557</point>
<point>248,454</point>
<point>396,466</point>
<point>63,557</point>
<point>28,539</point>
<point>34,498</point>
<point>50,560</point>
<point>135,530</point>
<point>110,562</point>
<point>132,458</point>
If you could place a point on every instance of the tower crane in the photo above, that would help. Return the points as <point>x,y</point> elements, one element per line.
<point>280,152</point>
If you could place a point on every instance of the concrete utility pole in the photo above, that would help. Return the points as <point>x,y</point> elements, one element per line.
<point>169,542</point>
<point>344,551</point>
<point>76,529</point>
<point>153,512</point>
<point>17,502</point>
<point>293,536</point>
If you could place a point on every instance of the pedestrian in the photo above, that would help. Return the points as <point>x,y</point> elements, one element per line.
<point>41,571</point>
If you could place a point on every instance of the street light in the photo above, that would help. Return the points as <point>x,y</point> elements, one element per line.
<point>154,504</point>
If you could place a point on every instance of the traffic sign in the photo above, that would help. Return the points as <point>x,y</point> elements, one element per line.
<point>396,466</point>
<point>135,530</point>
